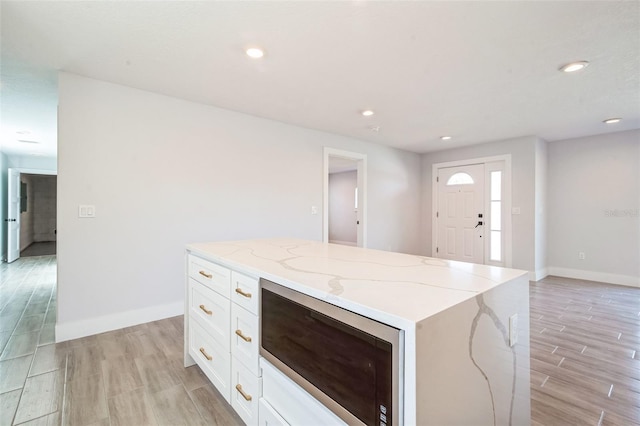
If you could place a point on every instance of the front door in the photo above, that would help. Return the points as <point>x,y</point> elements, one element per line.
<point>460,214</point>
<point>13,216</point>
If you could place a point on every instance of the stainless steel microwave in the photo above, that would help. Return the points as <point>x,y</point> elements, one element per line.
<point>350,363</point>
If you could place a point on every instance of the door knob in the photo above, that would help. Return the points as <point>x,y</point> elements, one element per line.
<point>479,223</point>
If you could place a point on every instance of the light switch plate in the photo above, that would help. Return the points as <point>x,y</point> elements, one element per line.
<point>86,211</point>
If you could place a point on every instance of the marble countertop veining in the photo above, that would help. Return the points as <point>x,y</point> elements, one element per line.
<point>394,288</point>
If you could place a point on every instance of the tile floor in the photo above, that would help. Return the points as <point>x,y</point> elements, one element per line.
<point>585,365</point>
<point>44,248</point>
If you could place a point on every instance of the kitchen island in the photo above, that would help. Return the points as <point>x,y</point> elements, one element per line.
<point>466,326</point>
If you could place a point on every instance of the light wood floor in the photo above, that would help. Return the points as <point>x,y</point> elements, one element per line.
<point>584,366</point>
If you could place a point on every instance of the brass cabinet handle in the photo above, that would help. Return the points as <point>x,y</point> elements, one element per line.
<point>205,310</point>
<point>244,395</point>
<point>206,355</point>
<point>204,274</point>
<point>242,293</point>
<point>242,336</point>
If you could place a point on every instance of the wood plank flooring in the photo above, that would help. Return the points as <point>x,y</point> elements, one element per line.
<point>585,365</point>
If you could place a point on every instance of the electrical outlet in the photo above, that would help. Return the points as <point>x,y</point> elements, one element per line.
<point>513,329</point>
<point>581,255</point>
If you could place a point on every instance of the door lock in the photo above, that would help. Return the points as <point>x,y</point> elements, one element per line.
<point>479,223</point>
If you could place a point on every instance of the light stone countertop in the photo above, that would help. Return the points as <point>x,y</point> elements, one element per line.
<point>394,288</point>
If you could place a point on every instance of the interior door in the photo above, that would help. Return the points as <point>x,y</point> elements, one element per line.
<point>13,215</point>
<point>460,215</point>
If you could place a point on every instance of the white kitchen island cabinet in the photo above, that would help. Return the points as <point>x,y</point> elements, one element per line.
<point>466,327</point>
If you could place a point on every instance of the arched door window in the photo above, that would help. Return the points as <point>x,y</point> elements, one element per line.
<point>460,178</point>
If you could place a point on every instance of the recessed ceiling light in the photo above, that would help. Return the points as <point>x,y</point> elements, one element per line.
<point>612,120</point>
<point>367,113</point>
<point>574,66</point>
<point>255,53</point>
<point>374,128</point>
<point>445,138</point>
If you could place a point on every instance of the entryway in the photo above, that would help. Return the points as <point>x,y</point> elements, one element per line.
<point>31,213</point>
<point>471,202</point>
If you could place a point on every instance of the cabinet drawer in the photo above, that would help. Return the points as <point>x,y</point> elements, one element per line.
<point>211,310</point>
<point>268,416</point>
<point>293,403</point>
<point>244,291</point>
<point>211,357</point>
<point>216,277</point>
<point>245,338</point>
<point>245,392</point>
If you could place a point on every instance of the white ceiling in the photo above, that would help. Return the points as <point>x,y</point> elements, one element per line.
<point>478,71</point>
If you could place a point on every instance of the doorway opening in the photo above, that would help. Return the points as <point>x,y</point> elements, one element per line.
<point>471,218</point>
<point>345,198</point>
<point>32,207</point>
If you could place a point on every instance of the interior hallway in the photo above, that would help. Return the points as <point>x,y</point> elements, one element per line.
<point>585,361</point>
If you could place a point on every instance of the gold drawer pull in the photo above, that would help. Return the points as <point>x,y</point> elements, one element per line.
<point>205,310</point>
<point>244,395</point>
<point>242,293</point>
<point>204,274</point>
<point>206,355</point>
<point>242,336</point>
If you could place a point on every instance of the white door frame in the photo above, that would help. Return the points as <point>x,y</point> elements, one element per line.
<point>506,191</point>
<point>361,161</point>
<point>21,171</point>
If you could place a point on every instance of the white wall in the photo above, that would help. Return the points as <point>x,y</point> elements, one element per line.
<point>164,172</point>
<point>4,166</point>
<point>594,202</point>
<point>523,164</point>
<point>44,207</point>
<point>342,213</point>
<point>541,210</point>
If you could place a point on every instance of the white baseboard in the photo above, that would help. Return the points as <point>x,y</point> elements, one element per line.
<point>91,326</point>
<point>538,274</point>
<point>603,277</point>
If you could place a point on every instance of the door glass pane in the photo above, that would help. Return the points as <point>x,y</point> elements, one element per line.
<point>356,198</point>
<point>496,185</point>
<point>460,179</point>
<point>496,216</point>
<point>496,246</point>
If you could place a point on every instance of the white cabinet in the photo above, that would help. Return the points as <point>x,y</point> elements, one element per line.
<point>245,395</point>
<point>213,358</point>
<point>269,416</point>
<point>245,338</point>
<point>222,332</point>
<point>294,405</point>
